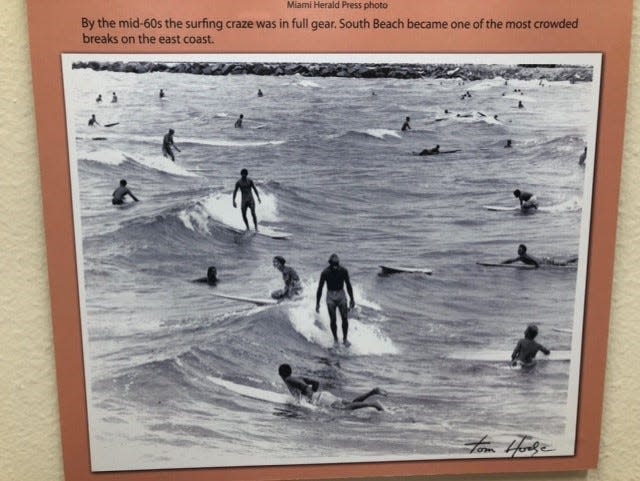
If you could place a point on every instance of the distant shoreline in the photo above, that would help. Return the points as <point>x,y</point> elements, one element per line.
<point>468,72</point>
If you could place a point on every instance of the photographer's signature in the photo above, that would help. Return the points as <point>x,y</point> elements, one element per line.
<point>523,446</point>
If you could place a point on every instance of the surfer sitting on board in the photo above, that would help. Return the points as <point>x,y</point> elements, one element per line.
<point>99,98</point>
<point>260,94</point>
<point>527,199</point>
<point>527,348</point>
<point>336,277</point>
<point>238,124</point>
<point>300,387</point>
<point>93,121</point>
<point>212,277</point>
<point>246,185</point>
<point>508,144</point>
<point>161,94</point>
<point>406,125</point>
<point>114,98</point>
<point>435,150</point>
<point>120,192</point>
<point>167,143</point>
<point>292,285</point>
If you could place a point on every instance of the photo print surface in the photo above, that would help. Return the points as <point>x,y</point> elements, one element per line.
<point>210,195</point>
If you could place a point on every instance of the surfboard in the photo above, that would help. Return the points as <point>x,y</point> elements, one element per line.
<point>558,329</point>
<point>499,208</point>
<point>264,231</point>
<point>259,394</point>
<point>505,356</point>
<point>98,138</point>
<point>406,270</point>
<point>512,266</point>
<point>251,300</point>
<point>437,153</point>
<point>112,125</point>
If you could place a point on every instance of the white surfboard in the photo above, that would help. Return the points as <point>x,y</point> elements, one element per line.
<point>558,329</point>
<point>263,231</point>
<point>498,208</point>
<point>250,300</point>
<point>505,356</point>
<point>512,266</point>
<point>257,393</point>
<point>406,270</point>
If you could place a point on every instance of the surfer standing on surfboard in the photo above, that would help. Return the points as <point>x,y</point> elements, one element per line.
<point>300,387</point>
<point>246,185</point>
<point>527,348</point>
<point>292,285</point>
<point>167,143</point>
<point>336,277</point>
<point>527,199</point>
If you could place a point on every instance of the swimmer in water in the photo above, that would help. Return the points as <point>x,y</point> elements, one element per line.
<point>406,125</point>
<point>93,121</point>
<point>527,348</point>
<point>119,194</point>
<point>212,277</point>
<point>238,124</point>
<point>306,388</point>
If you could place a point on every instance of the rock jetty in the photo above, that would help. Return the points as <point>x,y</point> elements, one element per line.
<point>400,71</point>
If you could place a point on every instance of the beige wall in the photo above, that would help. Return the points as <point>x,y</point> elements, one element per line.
<point>30,447</point>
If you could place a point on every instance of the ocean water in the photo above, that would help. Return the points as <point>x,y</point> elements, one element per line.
<point>178,377</point>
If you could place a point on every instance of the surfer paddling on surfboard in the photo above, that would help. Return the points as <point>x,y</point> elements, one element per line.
<point>246,185</point>
<point>527,348</point>
<point>527,199</point>
<point>167,143</point>
<point>304,387</point>
<point>535,262</point>
<point>336,277</point>
<point>435,150</point>
<point>292,285</point>
<point>119,194</point>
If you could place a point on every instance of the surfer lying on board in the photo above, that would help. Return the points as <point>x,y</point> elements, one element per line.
<point>536,262</point>
<point>292,285</point>
<point>212,277</point>
<point>300,387</point>
<point>527,348</point>
<point>435,150</point>
<point>527,199</point>
<point>120,192</point>
<point>167,143</point>
<point>246,185</point>
<point>336,277</point>
<point>93,121</point>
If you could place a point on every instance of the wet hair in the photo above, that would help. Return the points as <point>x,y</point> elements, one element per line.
<point>531,331</point>
<point>284,370</point>
<point>212,274</point>
<point>244,172</point>
<point>241,115</point>
<point>334,259</point>
<point>523,247</point>
<point>280,259</point>
<point>123,182</point>
<point>171,131</point>
<point>516,193</point>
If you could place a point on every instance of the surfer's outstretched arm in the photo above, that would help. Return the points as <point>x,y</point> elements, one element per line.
<point>319,292</point>
<point>235,191</point>
<point>253,187</point>
<point>544,350</point>
<point>133,196</point>
<point>349,290</point>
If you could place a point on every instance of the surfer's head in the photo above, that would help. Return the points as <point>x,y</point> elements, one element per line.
<point>408,118</point>
<point>516,193</point>
<point>244,172</point>
<point>334,260</point>
<point>522,249</point>
<point>531,331</point>
<point>279,262</point>
<point>242,116</point>
<point>171,131</point>
<point>123,182</point>
<point>212,275</point>
<point>284,370</point>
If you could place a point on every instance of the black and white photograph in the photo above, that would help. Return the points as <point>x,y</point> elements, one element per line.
<point>330,258</point>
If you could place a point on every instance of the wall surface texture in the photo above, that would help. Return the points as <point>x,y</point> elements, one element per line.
<point>30,448</point>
